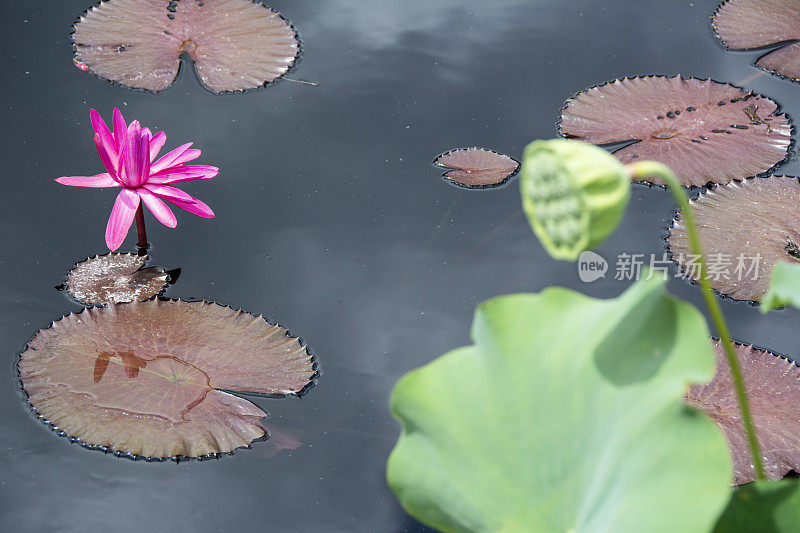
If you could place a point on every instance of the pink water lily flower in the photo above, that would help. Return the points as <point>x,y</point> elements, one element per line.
<point>129,155</point>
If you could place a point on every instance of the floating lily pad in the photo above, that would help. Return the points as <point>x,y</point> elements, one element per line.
<point>147,378</point>
<point>565,415</point>
<point>751,24</point>
<point>773,388</point>
<point>745,228</point>
<point>235,44</point>
<point>476,167</point>
<point>115,278</point>
<point>703,130</point>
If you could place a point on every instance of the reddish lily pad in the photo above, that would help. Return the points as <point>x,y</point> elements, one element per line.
<point>115,278</point>
<point>745,228</point>
<point>705,131</point>
<point>773,388</point>
<point>147,378</point>
<point>235,44</point>
<point>476,167</point>
<point>751,24</point>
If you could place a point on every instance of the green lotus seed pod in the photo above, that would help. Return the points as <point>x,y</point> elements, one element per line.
<point>573,193</point>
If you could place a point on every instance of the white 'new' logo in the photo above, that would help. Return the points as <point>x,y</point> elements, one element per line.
<point>591,267</point>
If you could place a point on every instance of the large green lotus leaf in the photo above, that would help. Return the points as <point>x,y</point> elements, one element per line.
<point>763,507</point>
<point>565,416</point>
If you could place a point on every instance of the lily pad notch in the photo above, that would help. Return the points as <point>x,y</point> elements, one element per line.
<point>756,24</point>
<point>476,168</point>
<point>235,44</point>
<point>170,364</point>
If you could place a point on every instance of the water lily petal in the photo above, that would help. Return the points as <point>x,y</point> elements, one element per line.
<point>98,181</point>
<point>170,193</point>
<point>128,162</point>
<point>105,156</point>
<point>120,130</point>
<point>121,218</point>
<point>197,207</point>
<point>148,136</point>
<point>168,159</point>
<point>184,173</point>
<point>159,209</point>
<point>156,144</point>
<point>101,129</point>
<point>188,155</point>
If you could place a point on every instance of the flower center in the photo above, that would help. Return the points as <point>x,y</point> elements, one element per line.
<point>188,46</point>
<point>664,134</point>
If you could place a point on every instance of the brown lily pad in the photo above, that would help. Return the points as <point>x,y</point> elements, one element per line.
<point>235,44</point>
<point>115,278</point>
<point>773,388</point>
<point>751,24</point>
<point>745,229</point>
<point>147,378</point>
<point>476,167</point>
<point>705,131</point>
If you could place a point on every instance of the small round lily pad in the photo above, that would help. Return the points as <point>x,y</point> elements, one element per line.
<point>235,44</point>
<point>476,167</point>
<point>773,389</point>
<point>115,278</point>
<point>745,229</point>
<point>705,131</point>
<point>147,379</point>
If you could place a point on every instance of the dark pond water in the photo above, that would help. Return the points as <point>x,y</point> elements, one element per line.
<point>331,220</point>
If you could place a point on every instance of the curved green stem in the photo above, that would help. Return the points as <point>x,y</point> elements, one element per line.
<point>644,169</point>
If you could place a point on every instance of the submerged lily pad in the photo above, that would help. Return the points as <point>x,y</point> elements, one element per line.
<point>745,228</point>
<point>751,24</point>
<point>565,415</point>
<point>147,378</point>
<point>115,278</point>
<point>705,131</point>
<point>235,44</point>
<point>773,388</point>
<point>476,167</point>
